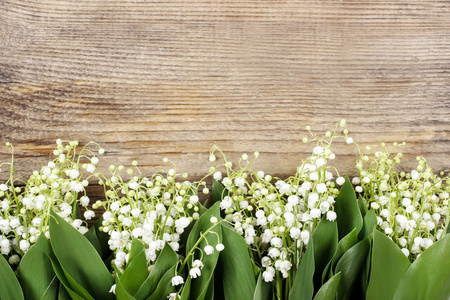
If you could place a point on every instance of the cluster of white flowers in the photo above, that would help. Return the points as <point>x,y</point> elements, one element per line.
<point>24,209</point>
<point>276,217</point>
<point>412,207</point>
<point>155,210</point>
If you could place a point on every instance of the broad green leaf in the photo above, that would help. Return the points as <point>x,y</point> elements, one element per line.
<point>186,291</point>
<point>65,292</point>
<point>9,285</point>
<point>136,271</point>
<point>76,209</point>
<point>218,192</point>
<point>237,270</point>
<point>360,289</point>
<point>136,248</point>
<point>328,290</point>
<point>325,238</point>
<point>167,259</point>
<point>429,276</point>
<point>350,264</point>
<point>256,269</point>
<point>303,287</point>
<point>91,235</point>
<point>35,271</point>
<point>52,290</point>
<point>164,287</point>
<point>117,271</point>
<point>362,206</point>
<point>344,244</point>
<point>369,222</point>
<point>199,285</point>
<point>185,235</point>
<point>347,210</point>
<point>263,290</point>
<point>76,287</point>
<point>388,266</point>
<point>210,291</point>
<point>79,259</point>
<point>120,291</point>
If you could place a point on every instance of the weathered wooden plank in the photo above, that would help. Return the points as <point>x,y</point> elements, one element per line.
<point>150,79</point>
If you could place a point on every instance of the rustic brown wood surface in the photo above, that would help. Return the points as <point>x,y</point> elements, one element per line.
<point>153,79</point>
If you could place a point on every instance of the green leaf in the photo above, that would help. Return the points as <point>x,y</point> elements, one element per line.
<point>325,238</point>
<point>388,266</point>
<point>350,264</point>
<point>369,222</point>
<point>120,291</point>
<point>52,290</point>
<point>360,289</point>
<point>184,236</point>
<point>343,246</point>
<point>329,289</point>
<point>136,249</point>
<point>199,285</point>
<point>76,209</point>
<point>347,210</point>
<point>79,259</point>
<point>65,292</point>
<point>35,271</point>
<point>76,287</point>
<point>429,276</point>
<point>263,290</point>
<point>237,270</point>
<point>218,192</point>
<point>167,259</point>
<point>186,291</point>
<point>164,287</point>
<point>91,235</point>
<point>362,206</point>
<point>136,271</point>
<point>9,285</point>
<point>303,287</point>
<point>210,292</point>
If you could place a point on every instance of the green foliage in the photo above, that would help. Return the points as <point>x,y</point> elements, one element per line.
<point>200,237</point>
<point>83,268</point>
<point>347,210</point>
<point>263,290</point>
<point>164,287</point>
<point>166,260</point>
<point>9,285</point>
<point>136,271</point>
<point>303,287</point>
<point>429,276</point>
<point>35,272</point>
<point>325,238</point>
<point>388,266</point>
<point>350,266</point>
<point>236,267</point>
<point>369,222</point>
<point>329,289</point>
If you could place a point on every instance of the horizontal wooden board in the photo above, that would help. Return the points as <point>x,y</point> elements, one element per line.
<point>153,79</point>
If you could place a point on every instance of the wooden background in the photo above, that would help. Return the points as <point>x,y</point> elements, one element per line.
<point>153,79</point>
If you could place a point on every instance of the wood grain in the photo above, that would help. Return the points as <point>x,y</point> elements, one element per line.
<point>153,79</point>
